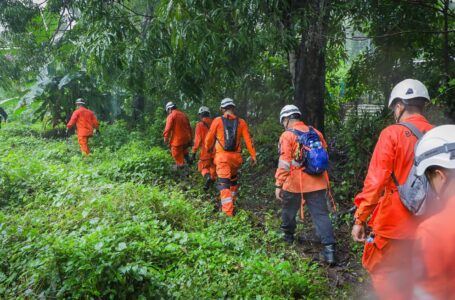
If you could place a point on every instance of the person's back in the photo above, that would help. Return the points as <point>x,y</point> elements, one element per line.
<point>393,226</point>
<point>394,152</point>
<point>202,129</point>
<point>298,184</point>
<point>178,128</point>
<point>228,157</point>
<point>86,121</point>
<point>206,165</point>
<point>218,135</point>
<point>298,181</point>
<point>178,134</point>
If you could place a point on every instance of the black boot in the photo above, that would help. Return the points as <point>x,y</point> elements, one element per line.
<point>288,238</point>
<point>328,254</point>
<point>208,182</point>
<point>188,159</point>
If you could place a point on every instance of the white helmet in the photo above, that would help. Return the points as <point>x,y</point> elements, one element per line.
<point>227,102</point>
<point>170,105</point>
<point>436,148</point>
<point>408,89</point>
<point>203,109</point>
<point>80,101</point>
<point>289,110</point>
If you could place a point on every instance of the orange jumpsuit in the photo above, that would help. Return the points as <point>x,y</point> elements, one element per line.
<point>205,164</point>
<point>289,173</point>
<point>178,134</point>
<point>228,162</point>
<point>85,120</point>
<point>387,258</point>
<point>434,255</point>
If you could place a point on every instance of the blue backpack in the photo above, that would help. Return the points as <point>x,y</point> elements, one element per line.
<point>310,153</point>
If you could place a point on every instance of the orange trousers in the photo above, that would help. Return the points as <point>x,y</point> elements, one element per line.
<point>83,143</point>
<point>207,166</point>
<point>389,264</point>
<point>178,153</point>
<point>227,165</point>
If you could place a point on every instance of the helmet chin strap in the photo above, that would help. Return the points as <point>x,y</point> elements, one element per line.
<point>287,123</point>
<point>397,120</point>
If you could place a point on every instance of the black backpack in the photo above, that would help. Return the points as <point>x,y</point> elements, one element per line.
<point>230,127</point>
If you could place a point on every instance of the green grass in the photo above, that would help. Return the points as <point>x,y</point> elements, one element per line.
<point>118,226</point>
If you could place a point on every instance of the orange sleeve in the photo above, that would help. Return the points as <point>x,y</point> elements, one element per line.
<point>197,138</point>
<point>211,135</point>
<point>169,126</point>
<point>284,163</point>
<point>379,174</point>
<point>247,138</point>
<point>73,119</point>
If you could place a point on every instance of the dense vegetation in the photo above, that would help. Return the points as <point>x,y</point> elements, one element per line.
<point>117,225</point>
<point>122,224</point>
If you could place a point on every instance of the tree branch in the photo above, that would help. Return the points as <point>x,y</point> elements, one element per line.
<point>133,11</point>
<point>363,38</point>
<point>423,4</point>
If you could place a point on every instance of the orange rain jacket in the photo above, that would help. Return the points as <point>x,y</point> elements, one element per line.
<point>434,256</point>
<point>178,130</point>
<point>202,128</point>
<point>85,120</point>
<point>394,151</point>
<point>289,174</point>
<point>216,132</point>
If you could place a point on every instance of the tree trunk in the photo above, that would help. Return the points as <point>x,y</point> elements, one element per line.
<point>310,65</point>
<point>139,97</point>
<point>138,107</point>
<point>445,51</point>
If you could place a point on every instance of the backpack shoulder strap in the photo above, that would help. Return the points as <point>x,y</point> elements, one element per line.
<point>295,131</point>
<point>205,124</point>
<point>413,129</point>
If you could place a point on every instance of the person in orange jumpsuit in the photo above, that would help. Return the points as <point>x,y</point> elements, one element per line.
<point>434,250</point>
<point>205,165</point>
<point>227,131</point>
<point>293,185</point>
<point>85,121</point>
<point>393,226</point>
<point>178,134</point>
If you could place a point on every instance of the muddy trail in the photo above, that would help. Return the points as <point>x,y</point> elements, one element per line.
<point>347,279</point>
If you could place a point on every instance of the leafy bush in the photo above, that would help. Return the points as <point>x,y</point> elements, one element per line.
<point>351,145</point>
<point>102,227</point>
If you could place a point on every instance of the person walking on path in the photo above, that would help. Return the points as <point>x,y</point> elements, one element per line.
<point>225,135</point>
<point>178,134</point>
<point>297,184</point>
<point>85,121</point>
<point>393,225</point>
<point>205,165</point>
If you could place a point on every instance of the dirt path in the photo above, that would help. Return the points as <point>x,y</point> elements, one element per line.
<point>347,280</point>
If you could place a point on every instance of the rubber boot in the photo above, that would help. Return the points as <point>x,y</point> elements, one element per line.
<point>328,254</point>
<point>188,159</point>
<point>208,182</point>
<point>288,238</point>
